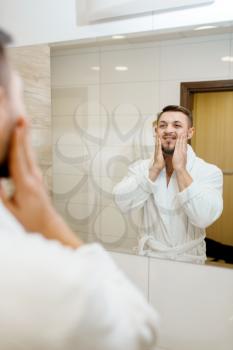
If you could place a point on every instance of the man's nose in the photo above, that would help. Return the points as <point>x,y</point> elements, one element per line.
<point>170,129</point>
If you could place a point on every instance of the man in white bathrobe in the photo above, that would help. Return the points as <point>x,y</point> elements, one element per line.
<point>179,193</point>
<point>56,292</point>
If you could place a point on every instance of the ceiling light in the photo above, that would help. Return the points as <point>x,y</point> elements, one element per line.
<point>205,27</point>
<point>95,68</point>
<point>118,37</point>
<point>227,59</point>
<point>121,68</point>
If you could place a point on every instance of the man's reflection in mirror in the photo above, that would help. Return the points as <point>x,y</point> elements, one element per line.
<point>180,194</point>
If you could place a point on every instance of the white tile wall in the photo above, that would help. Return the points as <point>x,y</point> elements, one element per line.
<point>198,61</point>
<point>195,305</point>
<point>136,268</point>
<point>142,96</point>
<point>75,69</point>
<point>194,302</point>
<point>142,65</point>
<point>74,101</point>
<point>169,93</point>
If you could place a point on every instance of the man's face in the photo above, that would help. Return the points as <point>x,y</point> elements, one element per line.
<point>11,107</point>
<point>170,126</point>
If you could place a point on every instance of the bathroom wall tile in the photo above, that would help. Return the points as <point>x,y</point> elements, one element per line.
<point>146,137</point>
<point>122,236</point>
<point>133,221</point>
<point>79,100</point>
<point>68,166</point>
<point>193,302</point>
<point>67,185</point>
<point>141,64</point>
<point>126,246</point>
<point>116,160</point>
<point>92,128</point>
<point>116,137</point>
<point>169,93</point>
<point>65,131</point>
<point>75,70</point>
<point>107,216</point>
<point>87,194</point>
<point>194,61</point>
<point>71,154</point>
<point>33,65</point>
<point>141,97</point>
<point>135,267</point>
<point>41,142</point>
<point>38,106</point>
<point>107,185</point>
<point>104,185</point>
<point>80,217</point>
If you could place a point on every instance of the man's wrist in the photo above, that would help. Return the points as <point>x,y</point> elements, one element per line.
<point>180,170</point>
<point>183,178</point>
<point>153,173</point>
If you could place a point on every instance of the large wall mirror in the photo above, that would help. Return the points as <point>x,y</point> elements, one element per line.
<point>105,97</point>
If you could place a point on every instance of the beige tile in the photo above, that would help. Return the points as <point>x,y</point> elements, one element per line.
<point>75,69</point>
<point>141,64</point>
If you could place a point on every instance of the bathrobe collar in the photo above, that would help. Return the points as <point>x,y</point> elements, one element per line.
<point>191,157</point>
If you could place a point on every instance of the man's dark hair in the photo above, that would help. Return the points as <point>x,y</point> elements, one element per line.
<point>175,108</point>
<point>4,65</point>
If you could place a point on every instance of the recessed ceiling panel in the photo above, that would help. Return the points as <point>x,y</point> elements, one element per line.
<point>109,9</point>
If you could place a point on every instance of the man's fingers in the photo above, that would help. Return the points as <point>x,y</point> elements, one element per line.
<point>18,165</point>
<point>177,146</point>
<point>29,155</point>
<point>184,143</point>
<point>6,200</point>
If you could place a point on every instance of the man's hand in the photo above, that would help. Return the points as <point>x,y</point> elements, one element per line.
<point>179,159</point>
<point>159,162</point>
<point>30,203</point>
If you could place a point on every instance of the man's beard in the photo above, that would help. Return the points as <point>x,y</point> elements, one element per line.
<point>168,151</point>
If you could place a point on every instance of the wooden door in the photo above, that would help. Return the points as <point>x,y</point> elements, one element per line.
<point>213,141</point>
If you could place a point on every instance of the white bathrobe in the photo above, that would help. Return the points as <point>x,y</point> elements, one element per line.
<point>174,222</point>
<point>52,297</point>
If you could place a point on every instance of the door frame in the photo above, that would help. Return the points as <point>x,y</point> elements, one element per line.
<point>188,89</point>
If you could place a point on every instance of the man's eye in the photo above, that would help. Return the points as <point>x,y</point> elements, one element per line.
<point>178,126</point>
<point>162,126</point>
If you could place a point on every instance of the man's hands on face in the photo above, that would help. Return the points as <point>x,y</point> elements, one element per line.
<point>30,203</point>
<point>179,159</point>
<point>159,162</point>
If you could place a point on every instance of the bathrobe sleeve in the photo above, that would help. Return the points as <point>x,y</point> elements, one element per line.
<point>202,200</point>
<point>53,297</point>
<point>134,190</point>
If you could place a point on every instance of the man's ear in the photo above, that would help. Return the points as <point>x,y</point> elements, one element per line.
<point>21,121</point>
<point>191,132</point>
